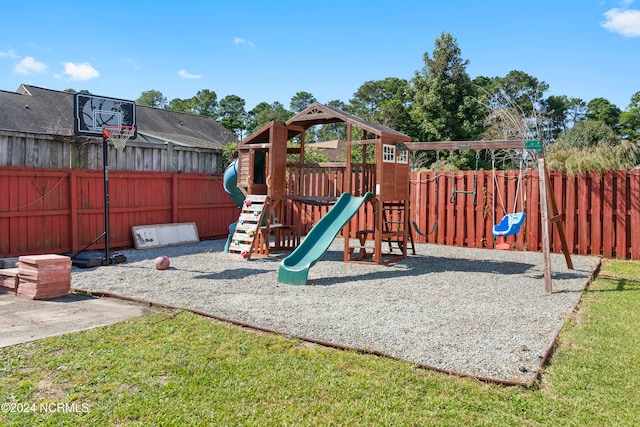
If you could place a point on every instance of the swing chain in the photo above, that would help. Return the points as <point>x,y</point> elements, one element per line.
<point>495,186</point>
<point>453,199</point>
<point>437,193</point>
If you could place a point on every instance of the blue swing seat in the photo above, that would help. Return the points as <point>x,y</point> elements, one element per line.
<point>510,224</point>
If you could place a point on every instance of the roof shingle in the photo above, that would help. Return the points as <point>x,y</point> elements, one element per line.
<point>34,109</point>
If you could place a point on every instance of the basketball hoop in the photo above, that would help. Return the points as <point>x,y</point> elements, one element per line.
<point>118,135</point>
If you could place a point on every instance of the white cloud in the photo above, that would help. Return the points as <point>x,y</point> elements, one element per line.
<point>186,75</point>
<point>29,65</point>
<point>240,40</point>
<point>132,63</point>
<point>624,22</point>
<point>80,72</point>
<point>8,54</point>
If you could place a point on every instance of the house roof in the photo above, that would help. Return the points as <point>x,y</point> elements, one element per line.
<point>34,109</point>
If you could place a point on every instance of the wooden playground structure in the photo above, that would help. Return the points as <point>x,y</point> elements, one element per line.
<point>272,174</point>
<point>263,170</point>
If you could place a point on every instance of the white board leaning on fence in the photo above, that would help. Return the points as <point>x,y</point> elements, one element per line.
<point>159,235</point>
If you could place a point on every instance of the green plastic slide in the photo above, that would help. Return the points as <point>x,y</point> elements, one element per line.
<point>294,269</point>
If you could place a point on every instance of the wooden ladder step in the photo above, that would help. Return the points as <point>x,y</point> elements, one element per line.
<point>243,241</point>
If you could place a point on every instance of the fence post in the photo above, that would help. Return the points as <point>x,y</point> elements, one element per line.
<point>174,197</point>
<point>73,210</point>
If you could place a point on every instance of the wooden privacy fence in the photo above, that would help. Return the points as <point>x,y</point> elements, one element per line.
<point>601,211</point>
<point>20,149</point>
<point>62,210</point>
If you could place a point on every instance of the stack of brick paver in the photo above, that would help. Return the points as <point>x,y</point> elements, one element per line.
<point>8,280</point>
<point>44,276</point>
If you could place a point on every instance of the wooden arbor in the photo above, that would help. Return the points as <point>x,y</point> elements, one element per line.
<point>548,206</point>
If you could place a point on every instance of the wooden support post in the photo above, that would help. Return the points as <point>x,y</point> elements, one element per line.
<point>550,215</point>
<point>556,219</point>
<point>408,238</point>
<point>346,231</point>
<point>544,210</point>
<point>378,213</point>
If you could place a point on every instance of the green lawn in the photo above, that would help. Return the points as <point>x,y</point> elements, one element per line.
<point>177,368</point>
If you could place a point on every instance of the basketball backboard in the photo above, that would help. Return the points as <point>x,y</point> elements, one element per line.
<point>91,113</point>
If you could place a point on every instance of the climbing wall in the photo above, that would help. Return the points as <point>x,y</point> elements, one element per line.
<point>244,240</point>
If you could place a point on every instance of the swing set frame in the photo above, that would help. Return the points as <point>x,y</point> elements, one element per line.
<point>548,206</point>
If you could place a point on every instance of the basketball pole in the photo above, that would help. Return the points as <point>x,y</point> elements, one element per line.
<point>115,121</point>
<point>105,162</point>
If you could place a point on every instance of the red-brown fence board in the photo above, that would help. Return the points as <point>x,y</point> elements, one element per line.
<point>443,200</point>
<point>558,189</point>
<point>570,212</point>
<point>595,217</point>
<point>607,215</point>
<point>531,224</point>
<point>582,216</point>
<point>483,211</point>
<point>621,214</point>
<point>634,208</point>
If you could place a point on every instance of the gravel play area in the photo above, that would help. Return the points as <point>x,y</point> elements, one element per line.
<point>475,312</point>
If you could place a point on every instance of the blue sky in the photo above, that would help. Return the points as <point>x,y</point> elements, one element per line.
<point>268,51</point>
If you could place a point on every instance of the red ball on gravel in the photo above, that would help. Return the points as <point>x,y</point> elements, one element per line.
<point>162,262</point>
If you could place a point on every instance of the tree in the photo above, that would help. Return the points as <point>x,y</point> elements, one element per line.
<point>181,105</point>
<point>514,105</point>
<point>522,89</point>
<point>563,113</point>
<point>83,91</point>
<point>254,119</point>
<point>588,134</point>
<point>603,110</point>
<point>311,155</point>
<point>300,101</point>
<point>630,120</point>
<point>264,113</point>
<point>591,145</point>
<point>445,105</point>
<point>205,103</point>
<point>444,102</point>
<point>230,152</point>
<point>152,98</point>
<point>370,96</point>
<point>387,102</point>
<point>231,114</point>
<point>333,131</point>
